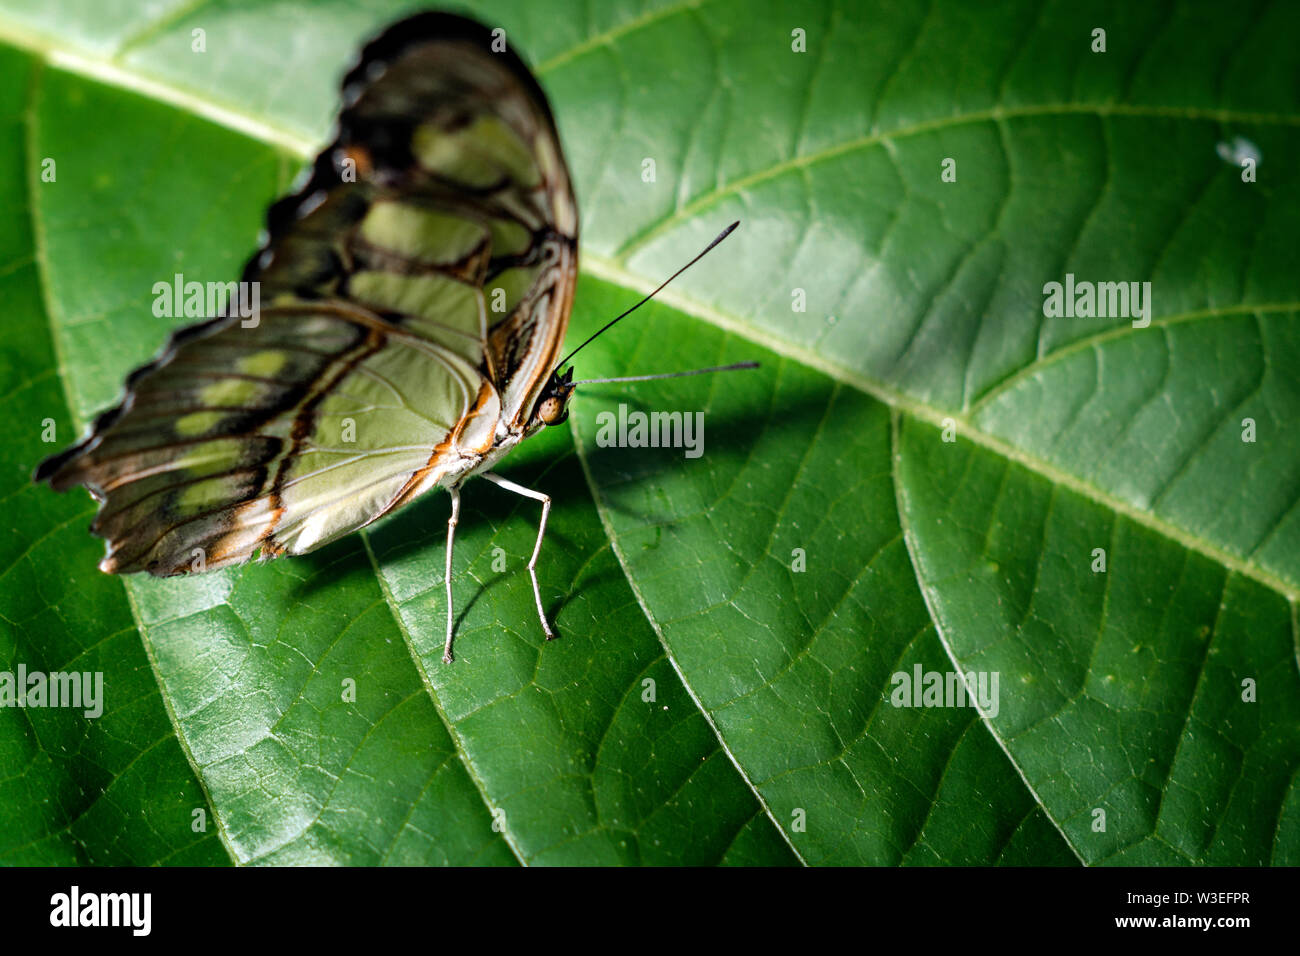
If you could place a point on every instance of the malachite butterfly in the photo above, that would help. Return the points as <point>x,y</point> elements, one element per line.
<point>445,187</point>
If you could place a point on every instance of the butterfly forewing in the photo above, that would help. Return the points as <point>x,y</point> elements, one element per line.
<point>415,293</point>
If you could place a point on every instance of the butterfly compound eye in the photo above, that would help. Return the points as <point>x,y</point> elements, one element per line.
<point>552,411</point>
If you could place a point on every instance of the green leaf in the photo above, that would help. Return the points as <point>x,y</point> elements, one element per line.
<point>940,457</point>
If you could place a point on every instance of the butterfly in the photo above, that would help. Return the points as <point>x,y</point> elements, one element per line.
<point>414,296</point>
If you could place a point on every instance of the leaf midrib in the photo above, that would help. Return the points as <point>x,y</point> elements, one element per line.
<point>617,549</point>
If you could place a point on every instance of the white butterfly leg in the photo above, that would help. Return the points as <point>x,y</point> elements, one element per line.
<point>541,533</point>
<point>451,537</point>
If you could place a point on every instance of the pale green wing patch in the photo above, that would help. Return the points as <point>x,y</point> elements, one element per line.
<point>275,438</point>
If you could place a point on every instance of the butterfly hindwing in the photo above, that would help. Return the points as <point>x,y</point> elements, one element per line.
<point>415,292</point>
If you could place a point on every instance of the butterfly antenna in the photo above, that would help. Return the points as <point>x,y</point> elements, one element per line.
<point>647,378</point>
<point>722,235</point>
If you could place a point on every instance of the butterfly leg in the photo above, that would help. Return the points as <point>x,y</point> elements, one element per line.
<point>451,537</point>
<point>541,533</point>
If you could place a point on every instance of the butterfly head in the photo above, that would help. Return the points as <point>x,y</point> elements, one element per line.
<point>552,406</point>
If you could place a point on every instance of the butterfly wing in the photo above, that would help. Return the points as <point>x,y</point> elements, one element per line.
<point>414,294</point>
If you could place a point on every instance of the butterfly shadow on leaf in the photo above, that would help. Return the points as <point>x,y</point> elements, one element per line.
<point>642,484</point>
<point>494,538</point>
